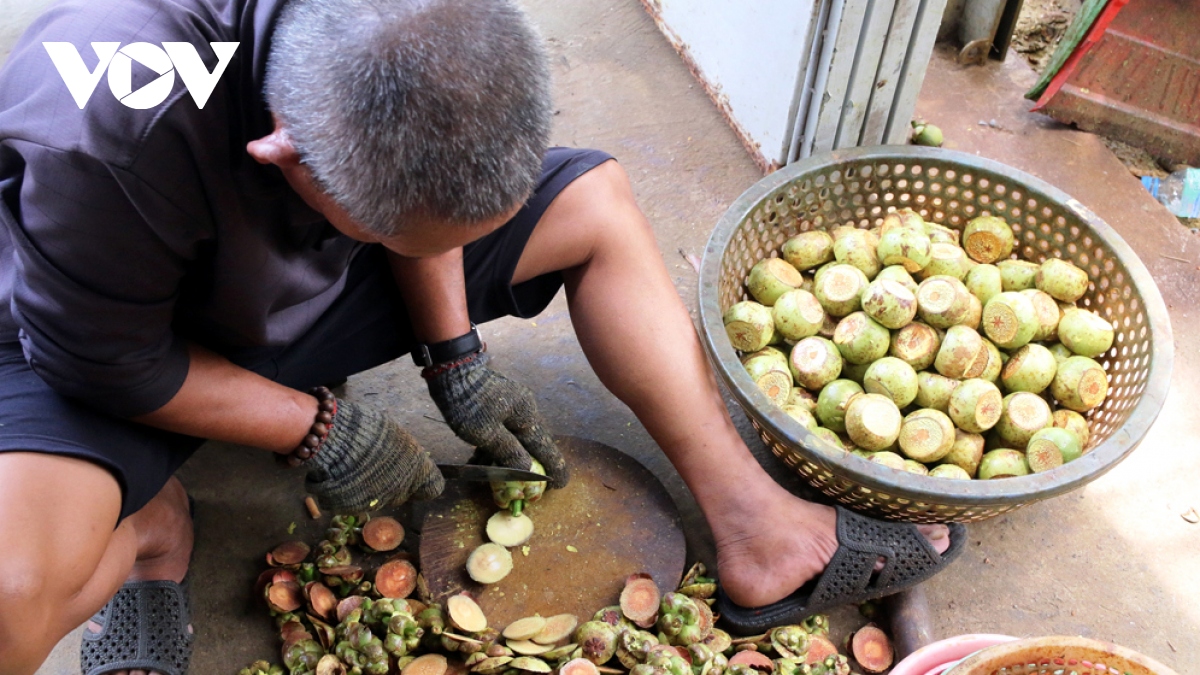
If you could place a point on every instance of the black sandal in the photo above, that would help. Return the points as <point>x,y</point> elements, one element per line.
<point>146,626</point>
<point>850,577</point>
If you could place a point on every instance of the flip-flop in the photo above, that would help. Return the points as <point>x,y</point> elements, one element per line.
<point>850,576</point>
<point>145,626</point>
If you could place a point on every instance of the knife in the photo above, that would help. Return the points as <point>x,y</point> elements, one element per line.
<point>480,473</point>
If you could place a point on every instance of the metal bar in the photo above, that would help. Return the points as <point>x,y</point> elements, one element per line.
<point>845,51</point>
<point>866,67</point>
<point>808,81</point>
<point>810,123</point>
<point>915,62</point>
<point>887,79</point>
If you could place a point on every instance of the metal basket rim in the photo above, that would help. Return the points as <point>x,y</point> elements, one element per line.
<point>1015,648</point>
<point>917,488</point>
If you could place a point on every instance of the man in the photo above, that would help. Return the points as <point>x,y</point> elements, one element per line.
<point>368,178</point>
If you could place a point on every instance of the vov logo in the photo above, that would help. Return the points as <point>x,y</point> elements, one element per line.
<point>172,57</point>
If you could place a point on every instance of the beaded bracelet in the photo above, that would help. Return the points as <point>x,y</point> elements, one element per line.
<point>322,424</point>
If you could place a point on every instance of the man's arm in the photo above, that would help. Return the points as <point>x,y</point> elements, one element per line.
<point>224,402</point>
<point>435,292</point>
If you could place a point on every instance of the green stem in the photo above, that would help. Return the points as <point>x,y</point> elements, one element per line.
<point>516,506</point>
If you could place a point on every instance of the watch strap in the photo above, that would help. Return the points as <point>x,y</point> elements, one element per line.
<point>426,355</point>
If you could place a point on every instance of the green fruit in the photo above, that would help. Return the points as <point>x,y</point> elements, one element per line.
<point>1003,463</point>
<point>898,274</point>
<point>797,314</point>
<point>1017,275</point>
<point>984,282</point>
<point>749,326</point>
<point>1061,352</point>
<point>889,459</point>
<point>854,371</point>
<point>966,452</point>
<point>1062,280</point>
<point>974,314</point>
<point>1031,368</point>
<point>1047,313</point>
<point>860,339</point>
<point>916,344</point>
<point>1009,320</point>
<point>1085,332</point>
<point>872,421</point>
<point>942,301</point>
<point>830,437</point>
<point>839,289</point>
<point>959,352</point>
<point>926,435</point>
<point>975,406</point>
<point>905,246</point>
<point>988,239</point>
<point>808,249</point>
<point>933,390</point>
<point>939,234</point>
<point>852,246</point>
<point>1073,422</point>
<point>802,397</point>
<point>889,303</point>
<point>832,403</point>
<point>995,362</point>
<point>815,362</point>
<point>1080,384</point>
<point>949,471</point>
<point>1052,447</point>
<point>802,415</point>
<point>893,378</point>
<point>927,134</point>
<point>913,466</point>
<point>947,260</point>
<point>769,370</point>
<point>771,278</point>
<point>1024,414</point>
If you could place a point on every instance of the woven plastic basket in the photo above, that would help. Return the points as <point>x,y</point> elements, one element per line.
<point>859,187</point>
<point>1058,656</point>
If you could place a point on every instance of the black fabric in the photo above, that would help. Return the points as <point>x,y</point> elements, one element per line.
<point>366,327</point>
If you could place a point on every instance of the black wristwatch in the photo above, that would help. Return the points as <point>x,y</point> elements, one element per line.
<point>442,352</point>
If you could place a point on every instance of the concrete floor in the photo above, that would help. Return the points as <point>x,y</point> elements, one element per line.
<point>1114,560</point>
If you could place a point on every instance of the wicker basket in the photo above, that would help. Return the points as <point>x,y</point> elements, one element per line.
<point>1058,656</point>
<point>858,187</point>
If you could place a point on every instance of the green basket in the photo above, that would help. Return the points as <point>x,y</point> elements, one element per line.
<point>858,187</point>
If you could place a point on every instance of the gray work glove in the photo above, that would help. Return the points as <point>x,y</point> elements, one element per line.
<point>368,462</point>
<point>496,415</point>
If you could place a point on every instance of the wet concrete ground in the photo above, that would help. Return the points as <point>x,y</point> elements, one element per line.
<point>1114,560</point>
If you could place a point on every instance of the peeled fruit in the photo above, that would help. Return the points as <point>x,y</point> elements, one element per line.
<point>995,362</point>
<point>905,246</point>
<point>947,260</point>
<point>872,421</point>
<point>1017,275</point>
<point>465,612</point>
<point>769,369</point>
<point>832,403</point>
<point>974,314</point>
<point>966,452</point>
<point>949,471</point>
<point>1049,442</point>
<point>1062,280</point>
<point>975,406</point>
<point>1003,463</point>
<point>926,435</point>
<point>839,289</point>
<point>1009,320</point>
<point>803,398</point>
<point>815,362</point>
<point>797,314</point>
<point>889,303</point>
<point>1080,384</point>
<point>771,278</point>
<point>898,274</point>
<point>1024,413</point>
<point>505,529</point>
<point>1047,313</point>
<point>489,563</point>
<point>808,249</point>
<point>888,459</point>
<point>524,629</point>
<point>988,239</point>
<point>893,378</point>
<point>1085,333</point>
<point>942,301</point>
<point>1031,368</point>
<point>861,339</point>
<point>913,466</point>
<point>749,325</point>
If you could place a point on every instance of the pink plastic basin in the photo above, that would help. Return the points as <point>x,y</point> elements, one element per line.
<point>936,658</point>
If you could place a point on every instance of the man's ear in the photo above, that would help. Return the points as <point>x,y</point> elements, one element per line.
<point>275,148</point>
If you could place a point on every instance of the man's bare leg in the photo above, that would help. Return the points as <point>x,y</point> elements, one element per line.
<point>63,558</point>
<point>639,338</point>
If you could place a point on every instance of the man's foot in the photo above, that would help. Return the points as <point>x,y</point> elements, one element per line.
<point>766,553</point>
<point>164,529</point>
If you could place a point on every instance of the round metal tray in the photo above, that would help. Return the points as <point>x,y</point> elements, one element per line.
<point>859,187</point>
<point>1059,655</point>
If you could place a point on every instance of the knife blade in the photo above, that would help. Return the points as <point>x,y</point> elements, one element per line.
<point>480,473</point>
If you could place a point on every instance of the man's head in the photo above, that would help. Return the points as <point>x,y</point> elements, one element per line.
<point>411,111</point>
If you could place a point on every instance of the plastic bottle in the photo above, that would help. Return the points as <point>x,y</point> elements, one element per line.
<point>1179,192</point>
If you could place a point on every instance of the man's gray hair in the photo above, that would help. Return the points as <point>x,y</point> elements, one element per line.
<point>437,108</point>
